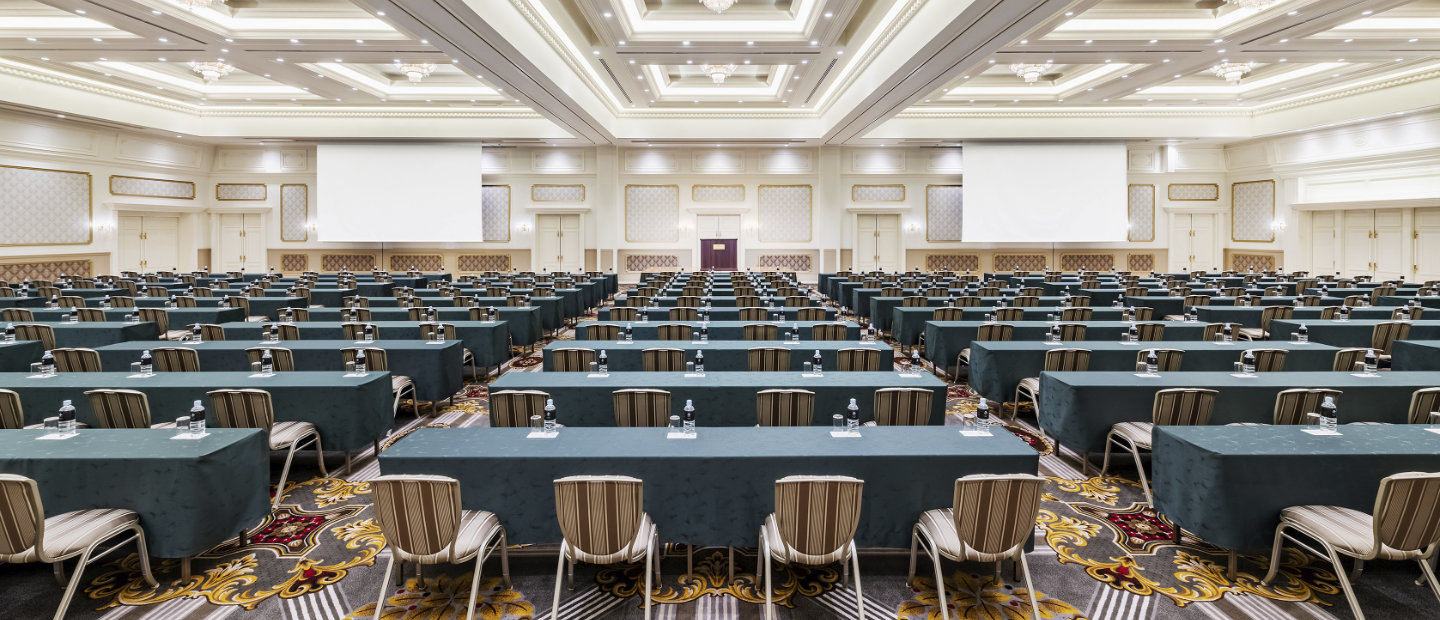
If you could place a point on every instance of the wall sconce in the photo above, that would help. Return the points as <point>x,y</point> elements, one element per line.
<point>523,227</point>
<point>102,225</point>
<point>912,227</point>
<point>1278,225</point>
<point>313,227</point>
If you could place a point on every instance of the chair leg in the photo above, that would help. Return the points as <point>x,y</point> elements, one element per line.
<point>649,575</point>
<point>384,586</point>
<point>505,559</point>
<point>320,456</point>
<point>73,582</point>
<point>1344,581</point>
<point>475,582</point>
<point>570,577</point>
<point>941,599</point>
<point>1429,574</point>
<point>60,572</point>
<point>914,544</point>
<point>284,473</point>
<point>859,596</point>
<point>144,551</point>
<point>765,563</point>
<point>1029,587</point>
<point>1144,482</point>
<point>559,573</point>
<point>1105,464</point>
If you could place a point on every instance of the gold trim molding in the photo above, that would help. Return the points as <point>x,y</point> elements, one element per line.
<point>1170,192</point>
<point>90,208</point>
<point>122,176</point>
<point>305,226</point>
<point>264,191</point>
<point>539,185</point>
<point>810,221</point>
<point>1232,211</point>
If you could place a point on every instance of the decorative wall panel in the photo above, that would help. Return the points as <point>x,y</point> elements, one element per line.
<point>1193,191</point>
<point>718,162</point>
<point>717,193</point>
<point>1093,262</point>
<point>483,262</point>
<point>652,213</point>
<point>202,257</point>
<point>1019,262</point>
<point>952,262</point>
<point>785,262</point>
<point>787,161</point>
<point>241,191</point>
<point>556,161</point>
<point>331,263</point>
<point>1261,262</point>
<point>45,270</point>
<point>495,212</point>
<point>944,206</point>
<point>877,193</point>
<point>650,162</point>
<point>44,207</point>
<point>783,212</point>
<point>294,212</point>
<point>1140,262</point>
<point>1142,213</point>
<point>151,188</point>
<point>557,193</point>
<point>428,263</point>
<point>880,161</point>
<point>292,263</point>
<point>1252,209</point>
<point>641,262</point>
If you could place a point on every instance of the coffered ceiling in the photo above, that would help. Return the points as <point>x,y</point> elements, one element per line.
<point>794,71</point>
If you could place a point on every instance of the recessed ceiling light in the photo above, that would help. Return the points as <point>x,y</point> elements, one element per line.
<point>1166,60</point>
<point>795,78</point>
<point>294,40</point>
<point>1069,13</point>
<point>622,41</point>
<point>1219,40</point>
<point>749,42</point>
<point>162,59</point>
<point>1125,76</point>
<point>279,60</point>
<point>689,62</point>
<point>80,11</point>
<point>684,42</point>
<point>292,98</point>
<point>59,116</point>
<point>747,61</point>
<point>1349,40</point>
<point>1399,59</point>
<point>1154,40</point>
<point>154,12</point>
<point>814,42</point>
<point>639,78</point>
<point>828,15</point>
<point>1089,41</point>
<point>1091,88</point>
<point>1339,60</point>
<point>424,41</point>
<point>1024,41</point>
<point>30,39</point>
<point>992,61</point>
<point>352,89</point>
<point>804,62</point>
<point>163,40</point>
<point>225,50</point>
<point>339,60</point>
<point>839,52</point>
<point>380,13</point>
<point>45,58</point>
<point>1293,13</point>
<point>1177,75</point>
<point>97,39</point>
<point>608,15</point>
<point>360,41</point>
<point>927,101</point>
<point>267,75</point>
<point>229,40</point>
<point>597,52</point>
<point>647,90</point>
<point>1366,12</point>
<point>1284,40</point>
<point>1284,59</point>
<point>1412,40</point>
<point>632,62</point>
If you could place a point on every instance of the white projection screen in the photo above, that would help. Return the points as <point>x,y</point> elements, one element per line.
<point>401,192</point>
<point>1051,192</point>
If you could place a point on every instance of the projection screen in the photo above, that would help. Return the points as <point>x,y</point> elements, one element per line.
<point>381,193</point>
<point>1044,192</point>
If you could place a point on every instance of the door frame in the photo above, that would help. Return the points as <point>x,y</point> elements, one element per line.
<point>536,214</point>
<point>701,259</point>
<point>854,220</point>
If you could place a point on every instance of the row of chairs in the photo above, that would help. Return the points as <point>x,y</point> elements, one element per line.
<point>643,407</point>
<point>753,331</point>
<point>759,359</point>
<point>691,301</point>
<point>691,313</point>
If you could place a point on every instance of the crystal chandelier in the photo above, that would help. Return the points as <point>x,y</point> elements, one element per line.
<point>1232,71</point>
<point>211,70</point>
<point>198,4</point>
<point>718,73</point>
<point>1251,4</point>
<point>416,71</point>
<point>1030,71</point>
<point>718,6</point>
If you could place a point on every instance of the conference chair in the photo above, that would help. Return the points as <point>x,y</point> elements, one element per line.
<point>986,332</point>
<point>641,408</point>
<point>1267,314</point>
<point>291,331</point>
<point>603,521</point>
<point>91,315</point>
<point>768,359</point>
<point>784,408</point>
<point>625,313</point>
<point>760,331</point>
<point>902,407</point>
<point>281,359</point>
<point>176,359</point>
<point>17,315</point>
<point>572,360</point>
<point>1056,360</point>
<point>1167,360</point>
<point>513,408</point>
<point>1383,337</point>
<point>1031,291</point>
<point>76,360</point>
<point>747,301</point>
<point>857,360</point>
<point>1414,313</point>
<point>687,313</point>
<point>813,525</point>
<point>674,331</point>
<point>1292,405</point>
<point>1172,407</point>
<point>662,360</point>
<point>684,301</point>
<point>892,291</point>
<point>351,331</point>
<point>1072,332</point>
<point>161,319</point>
<point>1233,291</point>
<point>122,409</point>
<point>72,301</point>
<point>1354,301</point>
<point>377,360</point>
<point>1009,314</point>
<point>36,331</point>
<point>797,301</point>
<point>948,314</point>
<point>967,301</point>
<point>1215,331</point>
<point>914,301</point>
<point>364,302</point>
<point>1266,360</point>
<point>1026,301</point>
<point>1349,359</point>
<point>1384,290</point>
<point>1136,291</point>
<point>603,331</point>
<point>254,409</point>
<point>1081,301</point>
<point>1076,314</point>
<point>209,332</point>
<point>810,314</point>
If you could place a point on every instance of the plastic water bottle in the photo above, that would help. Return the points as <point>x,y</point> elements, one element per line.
<point>817,364</point>
<point>700,362</point>
<point>1152,363</point>
<point>1344,313</point>
<point>9,333</point>
<point>369,333</point>
<point>360,368</point>
<point>982,414</point>
<point>197,419</point>
<point>629,333</point>
<point>74,315</point>
<point>267,333</point>
<point>267,362</point>
<point>1372,363</point>
<point>147,363</point>
<point>1054,335</point>
<point>704,333</point>
<point>439,333</point>
<point>852,417</point>
<point>1194,314</point>
<point>1329,414</point>
<point>1303,334</point>
<point>602,363</point>
<point>549,415</point>
<point>688,420</point>
<point>1247,363</point>
<point>795,332</point>
<point>1227,334</point>
<point>47,364</point>
<point>644,316</point>
<point>1404,313</point>
<point>67,418</point>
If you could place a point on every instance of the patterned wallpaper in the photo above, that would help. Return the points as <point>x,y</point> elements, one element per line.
<point>1093,262</point>
<point>944,206</point>
<point>428,263</point>
<point>291,263</point>
<point>356,262</point>
<point>785,262</point>
<point>1261,262</point>
<point>483,262</point>
<point>783,212</point>
<point>1140,262</point>
<point>1252,208</point>
<point>641,262</point>
<point>1142,213</point>
<point>151,188</point>
<point>652,213</point>
<point>495,212</point>
<point>877,193</point>
<point>952,262</point>
<point>241,191</point>
<point>1020,262</point>
<point>62,197</point>
<point>717,193</point>
<point>1193,191</point>
<point>45,270</point>
<point>294,212</point>
<point>557,193</point>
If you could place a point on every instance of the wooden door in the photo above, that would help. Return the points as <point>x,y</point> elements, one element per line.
<point>1181,258</point>
<point>1389,248</point>
<point>130,250</point>
<point>1203,241</point>
<point>887,242</point>
<point>255,243</point>
<point>718,254</point>
<point>1427,244</point>
<point>229,247</point>
<point>572,244</point>
<point>1322,243</point>
<point>1359,246</point>
<point>161,241</point>
<point>549,255</point>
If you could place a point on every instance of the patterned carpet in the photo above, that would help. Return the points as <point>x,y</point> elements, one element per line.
<point>1098,555</point>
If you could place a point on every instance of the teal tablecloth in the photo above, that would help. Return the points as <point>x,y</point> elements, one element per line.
<point>259,306</point>
<point>92,335</point>
<point>715,489</point>
<point>1078,408</point>
<point>717,314</point>
<point>1415,355</point>
<point>348,411</point>
<point>997,367</point>
<point>435,368</point>
<point>551,317</point>
<point>721,398</point>
<point>22,302</point>
<point>1352,333</point>
<point>489,342</point>
<point>179,317</point>
<point>524,322</point>
<point>1228,484</point>
<point>1250,317</point>
<point>191,495</point>
<point>719,354</point>
<point>907,324</point>
<point>17,356</point>
<point>1172,305</point>
<point>719,330</point>
<point>945,339</point>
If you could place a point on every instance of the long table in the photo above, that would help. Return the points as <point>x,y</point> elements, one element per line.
<point>551,316</point>
<point>1415,355</point>
<point>259,306</point>
<point>728,301</point>
<point>715,489</point>
<point>435,368</point>
<point>1352,333</point>
<point>524,322</point>
<point>179,317</point>
<point>997,367</point>
<point>17,356</point>
<point>91,335</point>
<point>721,398</point>
<point>1228,484</point>
<point>718,330</point>
<point>1078,408</point>
<point>719,354</point>
<point>1174,305</point>
<point>1250,317</point>
<point>945,339</point>
<point>191,495</point>
<point>490,342</point>
<point>349,412</point>
<point>662,315</point>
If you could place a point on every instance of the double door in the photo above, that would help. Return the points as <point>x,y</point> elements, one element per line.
<point>148,243</point>
<point>559,243</point>
<point>1374,240</point>
<point>240,245</point>
<point>1192,242</point>
<point>877,243</point>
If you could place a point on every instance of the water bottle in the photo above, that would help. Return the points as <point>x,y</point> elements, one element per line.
<point>9,333</point>
<point>795,332</point>
<point>360,368</point>
<point>629,333</point>
<point>1227,334</point>
<point>1303,334</point>
<point>1329,415</point>
<point>1194,314</point>
<point>1152,363</point>
<point>439,333</point>
<point>369,333</point>
<point>1404,313</point>
<point>982,414</point>
<point>1344,313</point>
<point>817,363</point>
<point>915,362</point>
<point>549,415</point>
<point>699,362</point>
<point>852,418</point>
<point>267,362</point>
<point>1372,363</point>
<point>147,363</point>
<point>1247,363</point>
<point>950,303</point>
<point>1054,335</point>
<point>603,363</point>
<point>197,419</point>
<point>704,333</point>
<point>47,364</point>
<point>874,333</point>
<point>67,418</point>
<point>689,418</point>
<point>74,315</point>
<point>1133,333</point>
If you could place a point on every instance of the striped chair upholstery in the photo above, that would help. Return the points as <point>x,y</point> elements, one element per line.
<point>1144,313</point>
<point>185,301</point>
<point>991,520</point>
<point>1080,301</point>
<point>362,302</point>
<point>768,359</point>
<point>813,525</point>
<point>160,318</point>
<point>760,331</point>
<point>1168,360</point>
<point>421,313</point>
<point>1353,301</point>
<point>1404,525</point>
<point>233,301</point>
<point>747,301</point>
<point>641,407</point>
<point>624,313</point>
<point>663,360</point>
<point>903,406</point>
<point>1329,312</point>
<point>744,291</point>
<point>787,291</point>
<point>202,291</point>
<point>176,359</point>
<point>857,360</point>
<point>6,291</point>
<point>1384,290</point>
<point>938,291</point>
<point>987,331</point>
<point>1009,314</point>
<point>354,330</point>
<point>1216,331</point>
<point>797,301</point>
<point>572,359</point>
<point>1076,314</point>
<point>1026,301</point>
<point>648,291</point>
<point>692,291</point>
<point>120,408</point>
<point>1031,291</point>
<point>892,291</point>
<point>1150,332</point>
<point>754,314</point>
<point>513,408</point>
<point>281,359</point>
<point>210,331</point>
<point>36,331</point>
<point>1347,358</point>
<point>516,301</point>
<point>809,314</point>
<point>1233,291</point>
<point>1291,405</point>
<point>1414,313</point>
<point>422,521</point>
<point>1384,335</point>
<point>26,535</point>
<point>785,408</point>
<point>1267,314</point>
<point>987,291</point>
<point>967,301</point>
<point>91,315</point>
<point>684,314</point>
<point>157,291</point>
<point>1072,332</point>
<point>73,301</point>
<point>12,415</point>
<point>1422,402</point>
<point>428,330</point>
<point>291,331</point>
<point>463,301</point>
<point>602,521</point>
<point>674,331</point>
<point>254,409</point>
<point>914,301</point>
<point>1173,407</point>
<point>829,331</point>
<point>948,314</point>
<point>602,331</point>
<point>297,315</point>
<point>122,301</point>
<point>378,360</point>
<point>687,301</point>
<point>76,360</point>
<point>1136,291</point>
<point>1267,360</point>
<point>543,291</point>
<point>1056,360</point>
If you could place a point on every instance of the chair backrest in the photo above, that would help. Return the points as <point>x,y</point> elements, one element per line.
<point>1072,331</point>
<point>600,515</point>
<point>91,315</point>
<point>1213,331</point>
<point>995,331</point>
<point>1422,402</point>
<point>968,301</point>
<point>73,301</point>
<point>1150,332</point>
<point>809,313</point>
<point>76,360</point>
<point>210,331</point>
<point>760,331</point>
<point>1076,314</point>
<point>752,314</point>
<point>996,514</point>
<point>418,514</point>
<point>36,331</point>
<point>624,313</point>
<point>122,301</point>
<point>1183,407</point>
<point>747,301</point>
<point>1381,291</point>
<point>354,331</point>
<point>1010,314</point>
<point>785,407</point>
<point>361,302</point>
<point>1233,291</point>
<point>572,359</point>
<point>684,314</point>
<point>1167,360</point>
<point>1136,291</point>
<point>1407,511</point>
<point>641,407</point>
<point>857,360</point>
<point>120,408</point>
<point>158,316</point>
<point>376,359</point>
<point>663,360</point>
<point>1291,405</point>
<point>1329,312</point>
<point>1031,291</point>
<point>22,515</point>
<point>234,301</point>
<point>1414,313</point>
<point>903,406</point>
<point>246,408</point>
<point>797,301</point>
<point>674,331</point>
<point>176,359</point>
<point>513,408</point>
<point>185,301</point>
<point>948,314</point>
<point>915,301</point>
<point>817,515</point>
<point>1353,300</point>
<point>892,291</point>
<point>1386,333</point>
<point>1347,358</point>
<point>1026,301</point>
<point>602,331</point>
<point>12,415</point>
<point>1196,300</point>
<point>1066,360</point>
<point>1270,313</point>
<point>1267,360</point>
<point>428,330</point>
<point>1080,301</point>
<point>281,359</point>
<point>687,301</point>
<point>768,359</point>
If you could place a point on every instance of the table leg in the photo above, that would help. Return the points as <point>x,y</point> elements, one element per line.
<point>1230,571</point>
<point>347,463</point>
<point>185,569</point>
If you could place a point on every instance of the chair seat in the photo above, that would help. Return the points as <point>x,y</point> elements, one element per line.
<point>1030,385</point>
<point>477,527</point>
<point>1349,531</point>
<point>1253,333</point>
<point>939,525</point>
<point>1137,432</point>
<point>964,355</point>
<point>282,434</point>
<point>1247,424</point>
<point>790,555</point>
<point>635,552</point>
<point>68,534</point>
<point>1174,317</point>
<point>398,383</point>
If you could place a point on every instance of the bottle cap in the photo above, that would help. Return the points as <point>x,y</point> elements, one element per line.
<point>197,403</point>
<point>65,404</point>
